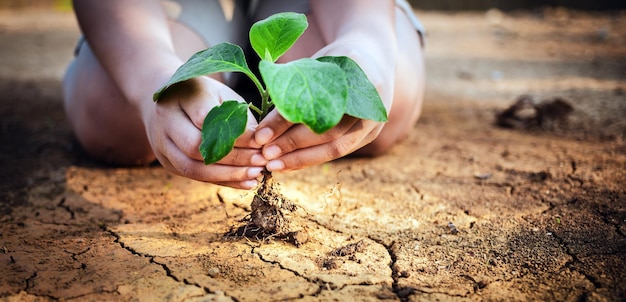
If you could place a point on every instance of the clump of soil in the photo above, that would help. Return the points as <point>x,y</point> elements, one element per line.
<point>271,216</point>
<point>526,114</point>
<point>349,251</point>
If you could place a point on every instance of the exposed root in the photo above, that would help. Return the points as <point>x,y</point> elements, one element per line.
<point>270,217</point>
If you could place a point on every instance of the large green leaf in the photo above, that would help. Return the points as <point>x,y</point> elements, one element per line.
<point>272,37</point>
<point>222,126</point>
<point>307,91</point>
<point>363,99</point>
<point>224,57</point>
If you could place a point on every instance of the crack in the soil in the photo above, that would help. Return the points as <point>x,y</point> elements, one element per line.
<point>619,231</point>
<point>102,291</point>
<point>77,254</point>
<point>401,293</point>
<point>83,265</point>
<point>570,264</point>
<point>168,272</point>
<point>615,225</point>
<point>321,284</point>
<point>568,251</point>
<point>566,247</point>
<point>29,282</point>
<point>404,292</point>
<point>166,269</point>
<point>476,285</point>
<point>30,285</point>
<point>67,208</point>
<point>311,280</point>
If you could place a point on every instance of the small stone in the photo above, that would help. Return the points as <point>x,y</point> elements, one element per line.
<point>213,272</point>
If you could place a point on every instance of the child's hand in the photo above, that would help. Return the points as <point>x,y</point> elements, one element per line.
<point>291,147</point>
<point>174,124</point>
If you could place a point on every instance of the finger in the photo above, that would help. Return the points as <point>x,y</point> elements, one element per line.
<point>353,139</point>
<point>242,185</point>
<point>215,173</point>
<point>204,94</point>
<point>271,127</point>
<point>184,135</point>
<point>244,157</point>
<point>246,140</point>
<point>193,98</point>
<point>188,139</point>
<point>300,136</point>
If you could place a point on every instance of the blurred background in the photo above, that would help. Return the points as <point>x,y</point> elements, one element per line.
<point>516,4</point>
<point>420,4</point>
<point>17,4</point>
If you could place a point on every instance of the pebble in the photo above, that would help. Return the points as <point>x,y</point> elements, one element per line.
<point>213,272</point>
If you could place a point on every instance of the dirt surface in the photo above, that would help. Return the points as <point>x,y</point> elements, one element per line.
<point>461,210</point>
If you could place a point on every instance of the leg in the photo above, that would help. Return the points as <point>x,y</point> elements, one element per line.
<point>106,125</point>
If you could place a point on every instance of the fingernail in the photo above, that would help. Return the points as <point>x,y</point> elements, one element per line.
<point>263,136</point>
<point>258,160</point>
<point>271,152</point>
<point>275,165</point>
<point>254,172</point>
<point>249,184</point>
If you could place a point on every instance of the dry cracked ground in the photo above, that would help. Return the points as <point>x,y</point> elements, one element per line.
<point>461,210</point>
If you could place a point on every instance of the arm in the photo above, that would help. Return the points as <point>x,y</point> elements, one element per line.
<point>339,18</point>
<point>364,31</point>
<point>132,40</point>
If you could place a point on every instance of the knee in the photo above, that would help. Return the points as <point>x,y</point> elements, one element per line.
<point>404,113</point>
<point>106,127</point>
<point>379,146</point>
<point>109,143</point>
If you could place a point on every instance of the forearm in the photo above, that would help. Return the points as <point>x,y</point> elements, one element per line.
<point>365,31</point>
<point>372,20</point>
<point>131,41</point>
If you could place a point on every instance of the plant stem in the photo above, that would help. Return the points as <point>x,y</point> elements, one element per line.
<point>266,104</point>
<point>255,109</point>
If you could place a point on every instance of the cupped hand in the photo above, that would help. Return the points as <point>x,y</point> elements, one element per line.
<point>295,146</point>
<point>289,146</point>
<point>174,128</point>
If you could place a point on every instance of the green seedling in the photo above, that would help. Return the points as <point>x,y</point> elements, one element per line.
<point>315,92</point>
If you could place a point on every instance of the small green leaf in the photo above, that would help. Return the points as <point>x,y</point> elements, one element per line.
<point>222,126</point>
<point>272,37</point>
<point>224,57</point>
<point>307,91</point>
<point>363,99</point>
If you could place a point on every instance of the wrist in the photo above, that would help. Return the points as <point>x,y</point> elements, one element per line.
<point>139,87</point>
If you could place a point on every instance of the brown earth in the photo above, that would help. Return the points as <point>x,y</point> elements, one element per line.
<point>461,210</point>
